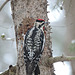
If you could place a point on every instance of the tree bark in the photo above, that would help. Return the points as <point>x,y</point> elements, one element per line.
<point>24,13</point>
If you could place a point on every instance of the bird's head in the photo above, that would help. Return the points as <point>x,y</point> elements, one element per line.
<point>40,23</point>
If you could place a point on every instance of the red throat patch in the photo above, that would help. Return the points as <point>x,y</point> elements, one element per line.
<point>44,30</point>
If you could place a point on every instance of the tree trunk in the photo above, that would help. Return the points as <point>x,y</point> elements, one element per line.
<point>24,13</point>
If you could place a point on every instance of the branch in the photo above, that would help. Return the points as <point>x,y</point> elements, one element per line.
<point>47,63</point>
<point>10,71</point>
<point>4,4</point>
<point>50,60</point>
<point>61,58</point>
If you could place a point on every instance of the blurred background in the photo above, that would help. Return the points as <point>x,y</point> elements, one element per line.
<point>61,16</point>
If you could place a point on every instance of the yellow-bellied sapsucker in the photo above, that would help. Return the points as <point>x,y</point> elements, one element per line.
<point>33,47</point>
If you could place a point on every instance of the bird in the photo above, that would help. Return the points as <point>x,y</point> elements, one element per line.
<point>34,46</point>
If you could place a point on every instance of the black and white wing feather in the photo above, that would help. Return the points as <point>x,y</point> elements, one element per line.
<point>33,48</point>
<point>33,44</point>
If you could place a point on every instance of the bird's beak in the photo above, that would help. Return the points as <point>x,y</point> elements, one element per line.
<point>46,22</point>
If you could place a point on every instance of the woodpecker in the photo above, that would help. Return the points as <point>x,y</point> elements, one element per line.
<point>34,46</point>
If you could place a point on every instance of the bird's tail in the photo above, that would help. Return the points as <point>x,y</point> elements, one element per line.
<point>37,70</point>
<point>30,68</point>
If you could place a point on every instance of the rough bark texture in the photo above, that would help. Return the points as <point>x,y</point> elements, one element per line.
<point>10,71</point>
<point>24,13</point>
